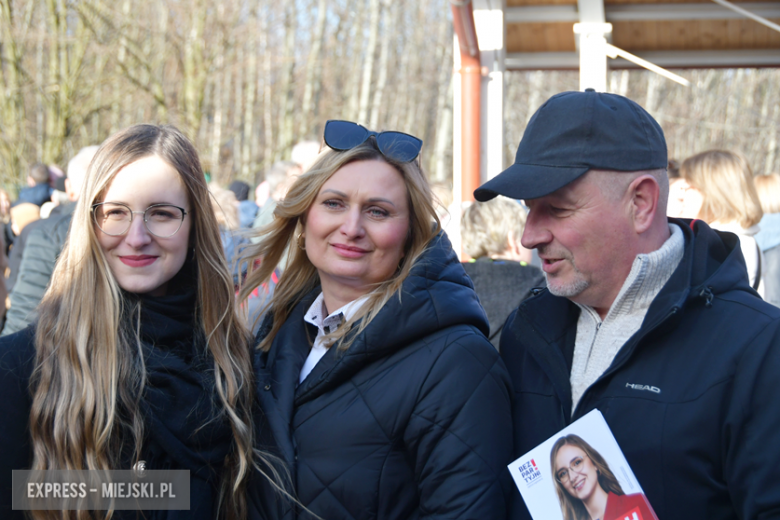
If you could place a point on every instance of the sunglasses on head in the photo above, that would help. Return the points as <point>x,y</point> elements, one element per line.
<point>398,146</point>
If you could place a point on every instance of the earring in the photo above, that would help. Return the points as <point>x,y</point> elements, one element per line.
<point>301,246</point>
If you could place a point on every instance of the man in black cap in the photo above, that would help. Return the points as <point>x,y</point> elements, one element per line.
<point>651,321</point>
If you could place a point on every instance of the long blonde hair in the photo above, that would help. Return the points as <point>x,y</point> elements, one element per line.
<point>300,276</point>
<point>89,376</point>
<point>725,181</point>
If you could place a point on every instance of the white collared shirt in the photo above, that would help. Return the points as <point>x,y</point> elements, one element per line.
<point>325,325</point>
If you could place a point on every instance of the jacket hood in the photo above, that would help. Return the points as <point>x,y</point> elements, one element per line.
<point>712,264</point>
<point>437,294</point>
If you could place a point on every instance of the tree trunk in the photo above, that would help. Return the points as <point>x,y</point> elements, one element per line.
<point>443,114</point>
<point>313,71</point>
<point>353,88</point>
<point>194,70</point>
<point>368,63</point>
<point>238,111</point>
<point>268,115</point>
<point>248,164</point>
<point>384,54</point>
<point>216,135</point>
<point>442,170</point>
<point>13,112</point>
<point>287,117</point>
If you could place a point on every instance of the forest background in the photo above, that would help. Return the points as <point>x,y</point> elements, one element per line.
<point>248,79</point>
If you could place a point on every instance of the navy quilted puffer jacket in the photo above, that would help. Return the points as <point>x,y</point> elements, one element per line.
<point>412,421</point>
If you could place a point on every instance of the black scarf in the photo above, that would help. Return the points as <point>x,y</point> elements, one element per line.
<point>180,404</point>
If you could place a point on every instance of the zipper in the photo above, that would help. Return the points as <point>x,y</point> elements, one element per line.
<point>593,314</point>
<point>615,368</point>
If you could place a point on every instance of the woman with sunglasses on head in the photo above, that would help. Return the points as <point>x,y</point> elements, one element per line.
<point>586,487</point>
<point>378,386</point>
<point>137,359</point>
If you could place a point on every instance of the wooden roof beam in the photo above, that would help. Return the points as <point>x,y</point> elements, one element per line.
<point>748,14</point>
<point>640,12</point>
<point>667,59</point>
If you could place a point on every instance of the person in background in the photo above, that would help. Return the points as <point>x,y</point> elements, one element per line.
<point>768,236</point>
<point>24,218</point>
<point>721,192</point>
<point>41,248</point>
<point>648,319</point>
<point>676,206</point>
<point>22,215</point>
<point>279,178</point>
<point>226,211</point>
<point>380,391</point>
<point>5,207</point>
<point>37,190</point>
<point>138,355</point>
<point>247,209</point>
<point>5,222</point>
<point>55,174</point>
<point>60,202</point>
<point>304,154</point>
<point>59,198</point>
<point>447,210</point>
<point>262,194</point>
<point>498,267</point>
<point>277,181</point>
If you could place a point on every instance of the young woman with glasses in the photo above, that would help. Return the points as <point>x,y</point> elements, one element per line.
<point>586,487</point>
<point>377,384</point>
<point>137,359</point>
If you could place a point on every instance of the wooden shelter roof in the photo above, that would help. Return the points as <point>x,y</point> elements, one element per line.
<point>669,33</point>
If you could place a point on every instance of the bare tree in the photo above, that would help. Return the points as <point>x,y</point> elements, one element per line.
<point>195,67</point>
<point>313,70</point>
<point>12,109</point>
<point>368,63</point>
<point>286,117</point>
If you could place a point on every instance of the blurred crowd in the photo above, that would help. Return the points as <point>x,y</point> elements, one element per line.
<point>717,186</point>
<point>35,226</point>
<point>317,345</point>
<point>720,188</point>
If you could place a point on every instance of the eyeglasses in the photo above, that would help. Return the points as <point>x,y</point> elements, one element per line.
<point>345,135</point>
<point>562,475</point>
<point>161,220</point>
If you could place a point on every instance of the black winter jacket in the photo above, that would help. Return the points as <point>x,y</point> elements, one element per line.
<point>178,408</point>
<point>691,397</point>
<point>412,421</point>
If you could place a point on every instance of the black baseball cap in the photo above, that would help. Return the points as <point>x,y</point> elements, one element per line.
<point>573,132</point>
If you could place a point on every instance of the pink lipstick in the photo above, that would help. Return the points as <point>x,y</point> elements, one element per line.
<point>138,260</point>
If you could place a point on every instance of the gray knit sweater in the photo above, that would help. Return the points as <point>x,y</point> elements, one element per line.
<point>598,342</point>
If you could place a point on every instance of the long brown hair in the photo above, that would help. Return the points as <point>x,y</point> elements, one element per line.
<point>300,276</point>
<point>572,507</point>
<point>89,378</point>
